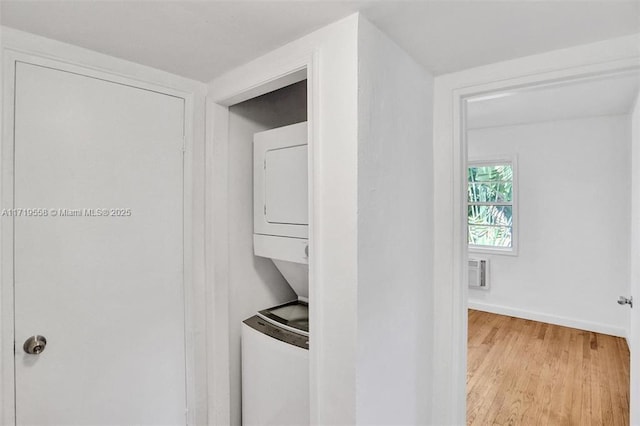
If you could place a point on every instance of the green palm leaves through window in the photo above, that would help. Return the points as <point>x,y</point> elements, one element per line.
<point>490,200</point>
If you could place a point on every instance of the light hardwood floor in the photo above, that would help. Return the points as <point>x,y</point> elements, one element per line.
<point>523,372</point>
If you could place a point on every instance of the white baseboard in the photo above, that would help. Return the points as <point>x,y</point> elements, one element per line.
<point>551,319</point>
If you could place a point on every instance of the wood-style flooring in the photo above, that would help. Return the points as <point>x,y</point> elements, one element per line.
<point>523,372</point>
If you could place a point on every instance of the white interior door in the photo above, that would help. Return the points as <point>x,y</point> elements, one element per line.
<point>101,274</point>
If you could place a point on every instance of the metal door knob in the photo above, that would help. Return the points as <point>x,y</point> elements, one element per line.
<point>34,345</point>
<point>626,301</point>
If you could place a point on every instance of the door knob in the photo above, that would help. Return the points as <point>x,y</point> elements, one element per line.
<point>625,301</point>
<point>34,345</point>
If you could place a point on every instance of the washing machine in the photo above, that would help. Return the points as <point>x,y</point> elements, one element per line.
<point>275,366</point>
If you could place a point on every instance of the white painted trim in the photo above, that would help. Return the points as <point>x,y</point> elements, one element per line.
<point>228,91</point>
<point>253,80</point>
<point>24,47</point>
<point>217,262</point>
<point>313,120</point>
<point>273,71</point>
<point>551,319</point>
<point>450,271</point>
<point>190,294</point>
<point>7,377</point>
<point>277,82</point>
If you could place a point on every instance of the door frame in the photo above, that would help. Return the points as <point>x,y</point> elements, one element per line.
<point>450,151</point>
<point>10,56</point>
<point>299,65</point>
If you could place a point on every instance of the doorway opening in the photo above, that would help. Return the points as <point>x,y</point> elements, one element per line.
<point>548,207</point>
<point>244,281</point>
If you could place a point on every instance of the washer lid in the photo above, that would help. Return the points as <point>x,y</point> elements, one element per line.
<point>293,314</point>
<point>258,323</point>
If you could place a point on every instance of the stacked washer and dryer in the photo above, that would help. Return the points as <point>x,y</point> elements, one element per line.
<point>275,341</point>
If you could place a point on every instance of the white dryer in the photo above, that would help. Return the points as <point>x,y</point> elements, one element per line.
<point>275,366</point>
<point>280,202</point>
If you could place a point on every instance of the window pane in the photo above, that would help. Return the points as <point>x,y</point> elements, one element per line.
<point>490,236</point>
<point>488,192</point>
<point>491,215</point>
<point>500,172</point>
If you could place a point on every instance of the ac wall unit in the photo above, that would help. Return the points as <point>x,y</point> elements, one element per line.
<point>479,273</point>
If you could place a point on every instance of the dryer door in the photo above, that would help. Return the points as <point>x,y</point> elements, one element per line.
<point>281,181</point>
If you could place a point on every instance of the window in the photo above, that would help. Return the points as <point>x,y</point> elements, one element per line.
<point>491,206</point>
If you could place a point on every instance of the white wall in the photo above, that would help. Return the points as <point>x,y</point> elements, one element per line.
<point>395,204</point>
<point>634,332</point>
<point>254,282</point>
<point>573,183</point>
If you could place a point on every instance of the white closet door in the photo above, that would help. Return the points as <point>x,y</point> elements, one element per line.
<point>101,275</point>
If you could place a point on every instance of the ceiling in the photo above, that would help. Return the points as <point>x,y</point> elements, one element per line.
<point>203,39</point>
<point>613,95</point>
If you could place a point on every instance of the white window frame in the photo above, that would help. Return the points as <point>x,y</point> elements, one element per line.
<point>495,161</point>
